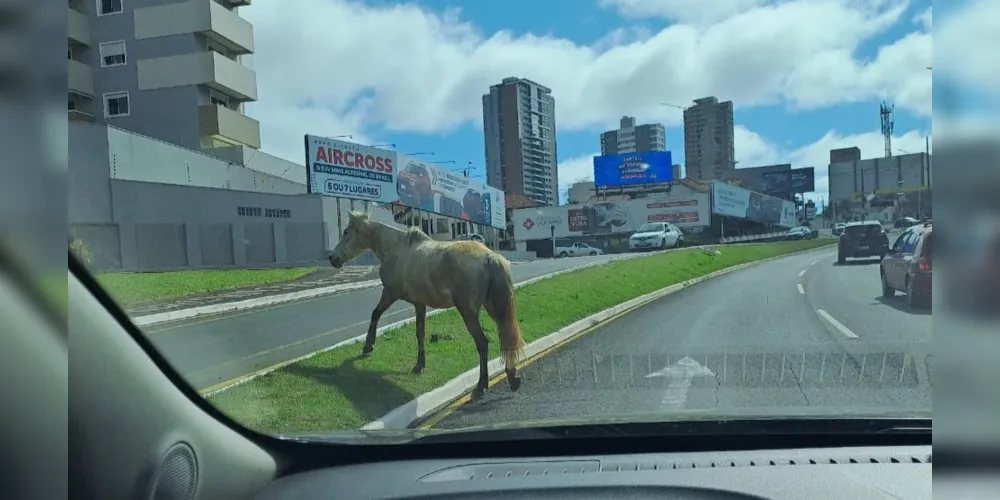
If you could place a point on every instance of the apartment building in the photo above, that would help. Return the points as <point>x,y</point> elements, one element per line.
<point>173,70</point>
<point>519,131</point>
<point>632,138</point>
<point>709,149</point>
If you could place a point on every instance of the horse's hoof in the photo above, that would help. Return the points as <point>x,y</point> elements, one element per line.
<point>417,370</point>
<point>515,384</point>
<point>477,394</point>
<point>367,351</point>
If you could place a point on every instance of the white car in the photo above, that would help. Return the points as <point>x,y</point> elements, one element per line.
<point>655,236</point>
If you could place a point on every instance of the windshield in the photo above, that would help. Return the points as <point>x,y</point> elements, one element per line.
<point>311,242</point>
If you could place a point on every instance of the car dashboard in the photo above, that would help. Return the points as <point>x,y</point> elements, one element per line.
<point>856,473</point>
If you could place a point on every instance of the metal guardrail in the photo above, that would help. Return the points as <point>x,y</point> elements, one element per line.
<point>560,371</point>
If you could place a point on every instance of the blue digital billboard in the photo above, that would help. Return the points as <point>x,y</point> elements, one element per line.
<point>633,168</point>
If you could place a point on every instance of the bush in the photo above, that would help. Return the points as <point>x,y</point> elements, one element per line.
<point>79,248</point>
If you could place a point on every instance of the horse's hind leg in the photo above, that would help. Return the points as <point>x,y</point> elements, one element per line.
<point>471,319</point>
<point>421,311</point>
<point>384,303</point>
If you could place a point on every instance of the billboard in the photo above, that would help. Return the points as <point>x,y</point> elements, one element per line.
<point>633,168</point>
<point>348,170</point>
<point>784,183</point>
<point>734,201</point>
<point>425,187</point>
<point>610,217</point>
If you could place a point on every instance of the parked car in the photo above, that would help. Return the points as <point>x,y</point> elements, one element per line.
<point>577,249</point>
<point>799,233</point>
<point>838,228</point>
<point>862,239</point>
<point>655,235</point>
<point>907,266</point>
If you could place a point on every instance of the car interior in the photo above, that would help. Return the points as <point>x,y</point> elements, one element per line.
<point>137,430</point>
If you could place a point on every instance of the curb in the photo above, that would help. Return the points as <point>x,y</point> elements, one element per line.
<point>212,391</point>
<point>164,317</point>
<point>424,405</point>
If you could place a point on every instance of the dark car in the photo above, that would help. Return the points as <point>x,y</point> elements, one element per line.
<point>861,240</point>
<point>907,266</point>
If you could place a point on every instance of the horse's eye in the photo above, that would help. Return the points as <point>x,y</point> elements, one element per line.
<point>345,232</point>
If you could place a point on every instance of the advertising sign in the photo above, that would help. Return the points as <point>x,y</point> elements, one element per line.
<point>348,170</point>
<point>424,187</point>
<point>734,201</point>
<point>633,168</point>
<point>610,217</point>
<point>785,183</point>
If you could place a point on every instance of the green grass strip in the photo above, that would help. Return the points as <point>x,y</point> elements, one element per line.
<point>335,390</point>
<point>132,288</point>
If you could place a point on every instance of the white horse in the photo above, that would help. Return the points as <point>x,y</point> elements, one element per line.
<point>427,273</point>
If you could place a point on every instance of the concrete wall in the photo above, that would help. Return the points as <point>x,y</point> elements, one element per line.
<point>142,204</point>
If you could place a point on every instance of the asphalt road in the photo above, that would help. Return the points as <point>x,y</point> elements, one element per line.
<point>211,351</point>
<point>799,334</point>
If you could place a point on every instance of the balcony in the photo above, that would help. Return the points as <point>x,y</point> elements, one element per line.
<point>222,126</point>
<point>81,78</point>
<point>79,28</point>
<point>200,68</point>
<point>204,17</point>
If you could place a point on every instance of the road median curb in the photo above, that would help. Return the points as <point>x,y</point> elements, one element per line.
<point>268,300</point>
<point>430,402</point>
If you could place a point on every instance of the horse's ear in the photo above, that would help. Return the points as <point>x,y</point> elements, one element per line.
<point>358,217</point>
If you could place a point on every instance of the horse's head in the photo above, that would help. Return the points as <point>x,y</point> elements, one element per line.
<point>356,239</point>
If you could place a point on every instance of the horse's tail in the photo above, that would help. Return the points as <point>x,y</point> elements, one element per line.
<point>502,306</point>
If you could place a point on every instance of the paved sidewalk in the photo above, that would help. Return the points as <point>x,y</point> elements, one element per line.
<point>321,277</point>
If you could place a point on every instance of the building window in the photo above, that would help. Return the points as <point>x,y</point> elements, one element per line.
<point>113,54</point>
<point>105,7</point>
<point>116,104</point>
<point>219,99</point>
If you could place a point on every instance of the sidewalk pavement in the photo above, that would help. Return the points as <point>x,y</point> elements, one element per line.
<point>321,277</point>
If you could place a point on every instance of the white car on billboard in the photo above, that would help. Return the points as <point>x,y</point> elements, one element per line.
<point>655,236</point>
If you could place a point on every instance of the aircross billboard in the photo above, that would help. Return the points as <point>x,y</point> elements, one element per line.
<point>354,171</point>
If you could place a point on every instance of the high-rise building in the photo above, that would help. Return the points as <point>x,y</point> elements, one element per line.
<point>709,151</point>
<point>630,138</point>
<point>519,130</point>
<point>171,70</point>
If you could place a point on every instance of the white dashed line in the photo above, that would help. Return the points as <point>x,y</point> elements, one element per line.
<point>836,324</point>
<point>813,263</point>
<point>802,291</point>
<point>802,272</point>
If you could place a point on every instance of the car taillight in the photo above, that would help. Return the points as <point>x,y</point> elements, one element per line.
<point>924,264</point>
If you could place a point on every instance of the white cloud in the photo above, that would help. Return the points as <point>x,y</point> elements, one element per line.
<point>407,69</point>
<point>965,43</point>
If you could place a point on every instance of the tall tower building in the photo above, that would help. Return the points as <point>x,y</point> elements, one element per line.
<point>709,151</point>
<point>519,131</point>
<point>630,138</point>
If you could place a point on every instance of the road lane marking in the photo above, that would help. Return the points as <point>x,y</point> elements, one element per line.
<point>838,325</point>
<point>802,291</point>
<point>802,272</point>
<point>680,376</point>
<point>813,263</point>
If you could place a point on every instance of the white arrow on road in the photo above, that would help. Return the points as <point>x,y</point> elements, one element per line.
<point>681,375</point>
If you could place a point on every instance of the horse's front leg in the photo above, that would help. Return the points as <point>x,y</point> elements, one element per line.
<point>421,324</point>
<point>387,300</point>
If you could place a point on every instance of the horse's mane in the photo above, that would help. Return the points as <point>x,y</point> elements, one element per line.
<point>414,235</point>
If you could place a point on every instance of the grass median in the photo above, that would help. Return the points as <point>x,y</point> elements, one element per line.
<point>134,288</point>
<point>337,390</point>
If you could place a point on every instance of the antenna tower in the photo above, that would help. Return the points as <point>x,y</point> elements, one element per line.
<point>885,111</point>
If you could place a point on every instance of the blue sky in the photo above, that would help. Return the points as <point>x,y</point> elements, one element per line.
<point>840,109</point>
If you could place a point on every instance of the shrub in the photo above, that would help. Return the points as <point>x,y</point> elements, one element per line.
<point>79,248</point>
